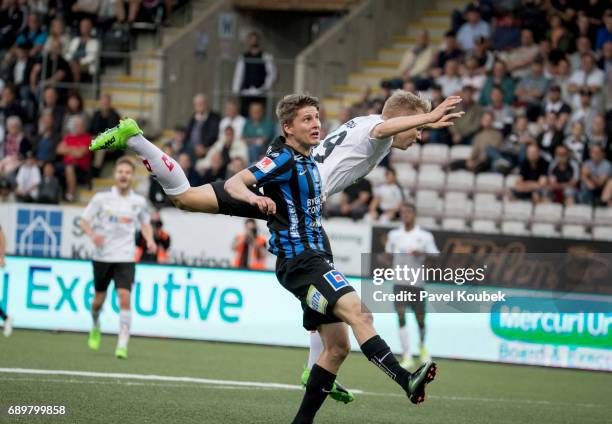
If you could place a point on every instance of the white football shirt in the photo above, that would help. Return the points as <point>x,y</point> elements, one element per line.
<point>349,153</point>
<point>117,218</point>
<point>402,243</point>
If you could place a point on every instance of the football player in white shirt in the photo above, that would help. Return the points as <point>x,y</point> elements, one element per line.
<point>410,244</point>
<point>346,155</point>
<point>111,220</point>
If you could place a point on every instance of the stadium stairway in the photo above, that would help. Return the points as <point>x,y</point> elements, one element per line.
<point>436,20</point>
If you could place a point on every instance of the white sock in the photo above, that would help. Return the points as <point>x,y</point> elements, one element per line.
<point>125,318</point>
<point>403,333</point>
<point>165,169</point>
<point>316,347</point>
<point>95,315</point>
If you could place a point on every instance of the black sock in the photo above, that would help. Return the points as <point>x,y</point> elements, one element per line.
<point>378,352</point>
<point>318,387</point>
<point>2,314</point>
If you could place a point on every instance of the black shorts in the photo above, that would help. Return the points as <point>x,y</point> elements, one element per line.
<point>418,305</point>
<point>120,272</point>
<point>312,278</point>
<point>230,206</point>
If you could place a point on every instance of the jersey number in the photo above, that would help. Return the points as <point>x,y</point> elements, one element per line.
<point>329,144</point>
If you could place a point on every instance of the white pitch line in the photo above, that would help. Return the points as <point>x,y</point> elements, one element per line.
<point>233,384</point>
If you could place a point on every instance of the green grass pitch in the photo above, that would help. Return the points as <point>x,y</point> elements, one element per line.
<point>464,392</point>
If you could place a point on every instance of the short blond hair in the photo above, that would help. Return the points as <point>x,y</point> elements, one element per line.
<point>404,102</point>
<point>288,107</point>
<point>126,160</point>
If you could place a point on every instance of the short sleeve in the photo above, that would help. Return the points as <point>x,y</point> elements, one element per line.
<point>431,248</point>
<point>274,167</point>
<point>92,209</point>
<point>143,214</point>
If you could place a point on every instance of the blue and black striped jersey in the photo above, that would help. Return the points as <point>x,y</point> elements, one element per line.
<point>293,182</point>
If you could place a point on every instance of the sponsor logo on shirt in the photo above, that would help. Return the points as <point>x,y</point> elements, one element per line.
<point>266,165</point>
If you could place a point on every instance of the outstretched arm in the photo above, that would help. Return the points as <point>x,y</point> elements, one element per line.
<point>393,126</point>
<point>238,188</point>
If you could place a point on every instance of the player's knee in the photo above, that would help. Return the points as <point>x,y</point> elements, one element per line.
<point>339,352</point>
<point>365,318</point>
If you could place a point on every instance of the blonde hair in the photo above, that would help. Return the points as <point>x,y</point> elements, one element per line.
<point>288,107</point>
<point>404,102</point>
<point>127,160</point>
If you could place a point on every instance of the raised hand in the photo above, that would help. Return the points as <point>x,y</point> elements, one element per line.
<point>447,120</point>
<point>443,108</point>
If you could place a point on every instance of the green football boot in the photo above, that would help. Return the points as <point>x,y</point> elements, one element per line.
<point>116,138</point>
<point>121,352</point>
<point>338,392</point>
<point>94,339</point>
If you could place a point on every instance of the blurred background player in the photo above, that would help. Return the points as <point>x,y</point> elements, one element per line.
<point>8,323</point>
<point>111,220</point>
<point>409,246</point>
<point>162,241</point>
<point>250,248</point>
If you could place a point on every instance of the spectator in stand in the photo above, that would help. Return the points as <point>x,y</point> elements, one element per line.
<point>554,103</point>
<point>487,138</point>
<point>451,51</point>
<point>595,173</point>
<point>83,53</point>
<point>507,32</point>
<point>105,117</point>
<point>57,70</point>
<point>250,248</point>
<point>472,76</point>
<point>217,169</point>
<point>551,135</point>
<point>233,118</point>
<point>75,150</point>
<point>50,190</point>
<point>514,148</point>
<point>498,77</point>
<point>235,166</point>
<point>560,38</point>
<point>28,179</point>
<point>583,45</point>
<point>194,178</point>
<point>531,89</point>
<point>258,131</point>
<point>590,78</point>
<point>16,68</point>
<point>519,59</point>
<point>82,9</point>
<point>58,33</point>
<point>354,201</point>
<point>577,142</point>
<point>229,146</point>
<point>14,147</point>
<point>465,128</point>
<point>606,194</point>
<point>388,198</point>
<point>46,138</point>
<point>11,22</point>
<point>9,105</point>
<point>162,241</point>
<point>562,79</point>
<point>32,36</point>
<point>563,176</point>
<point>415,64</point>
<point>533,176</point>
<point>74,109</point>
<point>503,116</point>
<point>134,9</point>
<point>450,81</point>
<point>605,33</point>
<point>254,74</point>
<point>202,128</point>
<point>50,102</point>
<point>473,28</point>
<point>597,132</point>
<point>605,61</point>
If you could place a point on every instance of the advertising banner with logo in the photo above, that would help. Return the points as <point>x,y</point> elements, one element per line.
<point>252,307</point>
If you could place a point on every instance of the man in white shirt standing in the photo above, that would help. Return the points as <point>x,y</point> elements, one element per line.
<point>111,220</point>
<point>410,245</point>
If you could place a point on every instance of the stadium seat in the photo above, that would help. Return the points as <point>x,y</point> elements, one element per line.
<point>406,175</point>
<point>410,155</point>
<point>456,204</point>
<point>575,231</point>
<point>460,152</point>
<point>434,153</point>
<point>489,182</point>
<point>427,222</point>
<point>548,212</point>
<point>603,216</point>
<point>544,229</point>
<point>485,226</point>
<point>428,203</point>
<point>454,224</point>
<point>460,181</point>
<point>377,175</point>
<point>510,181</point>
<point>602,233</point>
<point>514,228</point>
<point>487,206</point>
<point>517,210</point>
<point>431,177</point>
<point>576,214</point>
